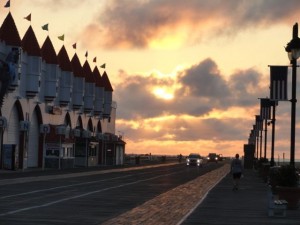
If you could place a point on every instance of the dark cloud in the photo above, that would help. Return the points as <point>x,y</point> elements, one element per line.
<point>247,86</point>
<point>201,89</point>
<point>135,23</point>
<point>204,80</point>
<point>141,102</point>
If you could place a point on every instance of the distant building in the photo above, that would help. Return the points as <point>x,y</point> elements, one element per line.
<point>55,113</point>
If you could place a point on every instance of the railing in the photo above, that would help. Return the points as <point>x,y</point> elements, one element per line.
<point>149,159</point>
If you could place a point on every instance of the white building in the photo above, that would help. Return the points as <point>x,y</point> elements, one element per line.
<point>56,113</point>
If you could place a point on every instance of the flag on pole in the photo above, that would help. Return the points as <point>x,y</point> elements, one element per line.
<point>265,109</point>
<point>74,45</point>
<point>258,123</point>
<point>62,37</point>
<point>95,59</point>
<point>45,27</point>
<point>28,17</point>
<point>7,5</point>
<point>278,83</point>
<point>102,66</point>
<point>255,130</point>
<point>253,134</point>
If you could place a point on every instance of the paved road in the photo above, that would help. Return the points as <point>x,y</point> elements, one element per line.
<point>90,199</point>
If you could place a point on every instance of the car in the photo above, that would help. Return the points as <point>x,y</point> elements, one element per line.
<point>194,159</point>
<point>212,157</point>
<point>220,157</point>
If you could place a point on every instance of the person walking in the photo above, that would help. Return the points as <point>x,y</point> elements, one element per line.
<point>236,171</point>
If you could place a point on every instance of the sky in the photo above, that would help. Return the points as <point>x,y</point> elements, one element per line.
<point>187,74</point>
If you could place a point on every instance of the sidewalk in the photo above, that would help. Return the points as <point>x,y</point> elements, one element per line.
<point>247,206</point>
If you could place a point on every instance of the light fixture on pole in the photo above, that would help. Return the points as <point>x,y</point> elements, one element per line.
<point>293,50</point>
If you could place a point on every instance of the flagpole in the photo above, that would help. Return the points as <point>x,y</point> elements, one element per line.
<point>293,110</point>
<point>273,133</point>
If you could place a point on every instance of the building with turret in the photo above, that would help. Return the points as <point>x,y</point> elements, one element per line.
<point>55,113</point>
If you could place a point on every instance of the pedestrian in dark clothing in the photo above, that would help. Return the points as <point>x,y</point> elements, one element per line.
<point>236,171</point>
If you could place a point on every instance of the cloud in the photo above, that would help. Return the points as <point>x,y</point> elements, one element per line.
<point>247,86</point>
<point>140,23</point>
<point>140,101</point>
<point>181,128</point>
<point>58,5</point>
<point>204,104</point>
<point>204,80</point>
<point>197,91</point>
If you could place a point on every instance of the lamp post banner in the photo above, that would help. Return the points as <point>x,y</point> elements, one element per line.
<point>278,83</point>
<point>265,109</point>
<point>258,123</point>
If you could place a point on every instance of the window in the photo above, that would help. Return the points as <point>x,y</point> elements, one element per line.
<point>68,151</point>
<point>92,151</point>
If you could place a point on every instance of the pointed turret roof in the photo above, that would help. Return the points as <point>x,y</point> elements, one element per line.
<point>30,43</point>
<point>106,82</point>
<point>63,60</point>
<point>97,77</point>
<point>9,32</point>
<point>88,72</point>
<point>48,52</point>
<point>76,66</point>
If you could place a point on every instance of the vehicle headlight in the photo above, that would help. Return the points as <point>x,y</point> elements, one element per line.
<point>216,158</point>
<point>198,160</point>
<point>187,160</point>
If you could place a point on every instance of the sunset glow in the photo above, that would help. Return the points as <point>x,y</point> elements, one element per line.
<point>168,42</point>
<point>163,94</point>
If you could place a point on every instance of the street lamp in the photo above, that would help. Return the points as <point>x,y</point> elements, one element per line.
<point>293,50</point>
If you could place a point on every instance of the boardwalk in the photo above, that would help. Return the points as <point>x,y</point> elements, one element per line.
<point>248,206</point>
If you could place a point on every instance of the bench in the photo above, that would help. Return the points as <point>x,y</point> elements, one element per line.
<point>277,208</point>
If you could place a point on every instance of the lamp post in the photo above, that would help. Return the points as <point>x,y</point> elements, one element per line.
<point>273,121</point>
<point>293,50</point>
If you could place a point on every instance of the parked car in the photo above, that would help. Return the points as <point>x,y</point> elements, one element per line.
<point>194,159</point>
<point>212,157</point>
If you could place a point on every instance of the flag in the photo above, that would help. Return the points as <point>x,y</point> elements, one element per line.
<point>7,5</point>
<point>265,109</point>
<point>86,54</point>
<point>74,46</point>
<point>28,17</point>
<point>45,27</point>
<point>255,130</point>
<point>258,123</point>
<point>251,139</point>
<point>278,83</point>
<point>95,59</point>
<point>62,37</point>
<point>102,66</point>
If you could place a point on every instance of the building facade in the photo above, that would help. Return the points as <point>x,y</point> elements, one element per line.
<point>55,113</point>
